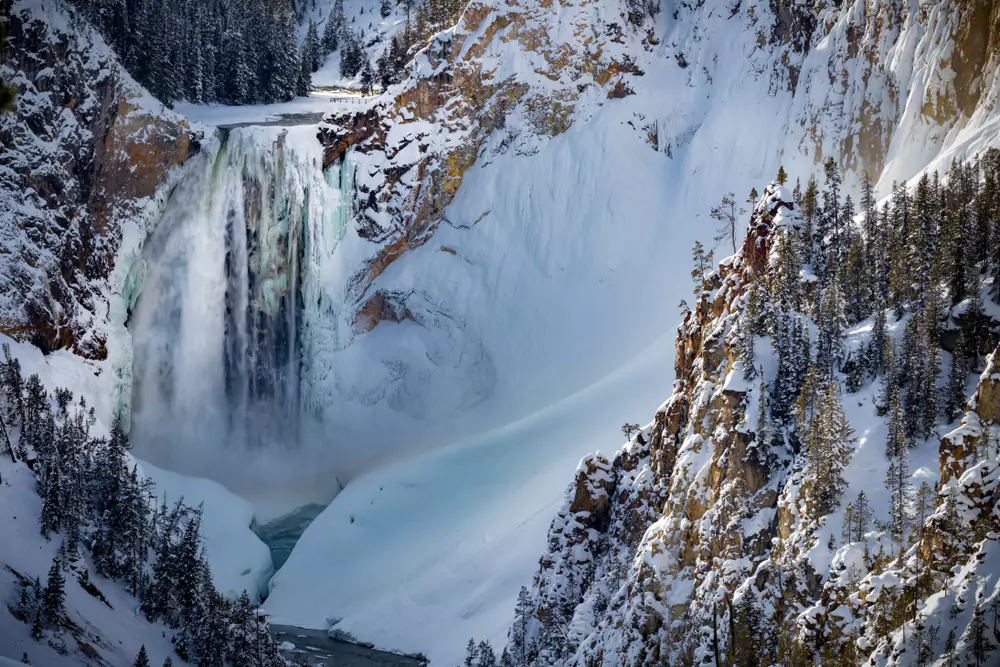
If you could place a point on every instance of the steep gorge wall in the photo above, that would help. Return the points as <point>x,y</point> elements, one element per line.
<point>84,151</point>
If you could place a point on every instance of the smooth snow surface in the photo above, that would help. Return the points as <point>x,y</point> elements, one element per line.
<point>420,553</point>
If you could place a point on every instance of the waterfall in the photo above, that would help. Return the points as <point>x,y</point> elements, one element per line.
<point>234,291</point>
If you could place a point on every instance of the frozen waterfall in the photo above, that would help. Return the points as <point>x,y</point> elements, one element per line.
<point>232,299</point>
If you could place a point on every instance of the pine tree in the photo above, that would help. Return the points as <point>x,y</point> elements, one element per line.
<point>243,633</point>
<point>703,263</point>
<point>350,55</point>
<point>826,437</point>
<point>924,505</point>
<point>957,376</point>
<point>977,640</point>
<point>281,54</point>
<point>471,654</point>
<point>52,499</point>
<point>54,595</point>
<point>895,440</point>
<point>334,27</point>
<point>749,631</point>
<point>758,451</point>
<point>745,353</point>
<point>141,660</point>
<point>312,53</point>
<point>384,9</point>
<point>857,517</point>
<point>37,628</point>
<point>487,658</point>
<point>726,214</point>
<point>948,657</point>
<point>238,77</point>
<point>304,83</point>
<point>786,271</point>
<point>829,341</point>
<point>897,481</point>
<point>810,216</point>
<point>519,630</point>
<point>367,77</point>
<point>876,348</point>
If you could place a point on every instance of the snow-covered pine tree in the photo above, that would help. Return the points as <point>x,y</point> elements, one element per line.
<point>826,436</point>
<point>54,595</point>
<point>312,53</point>
<point>954,403</point>
<point>281,54</point>
<point>897,482</point>
<point>304,82</point>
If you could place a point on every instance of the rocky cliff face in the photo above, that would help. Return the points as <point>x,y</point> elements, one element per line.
<point>466,102</point>
<point>84,150</point>
<point>659,554</point>
<point>687,508</point>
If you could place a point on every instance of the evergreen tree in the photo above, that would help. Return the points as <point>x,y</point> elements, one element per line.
<point>487,658</point>
<point>519,630</point>
<point>238,78</point>
<point>897,481</point>
<point>141,660</point>
<point>367,77</point>
<point>827,437</point>
<point>304,84</point>
<point>703,263</point>
<point>471,654</point>
<point>243,633</point>
<point>957,376</point>
<point>749,629</point>
<point>924,505</point>
<point>829,341</point>
<point>351,56</point>
<point>977,641</point>
<point>810,216</point>
<point>54,595</point>
<point>312,49</point>
<point>334,27</point>
<point>948,657</point>
<point>281,67</point>
<point>876,348</point>
<point>52,499</point>
<point>726,214</point>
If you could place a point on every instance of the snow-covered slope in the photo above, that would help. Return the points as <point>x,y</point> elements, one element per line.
<point>109,630</point>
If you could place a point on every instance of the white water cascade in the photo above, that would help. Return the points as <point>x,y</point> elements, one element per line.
<point>233,299</point>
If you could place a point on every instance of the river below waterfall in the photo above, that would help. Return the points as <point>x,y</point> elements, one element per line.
<point>315,647</point>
